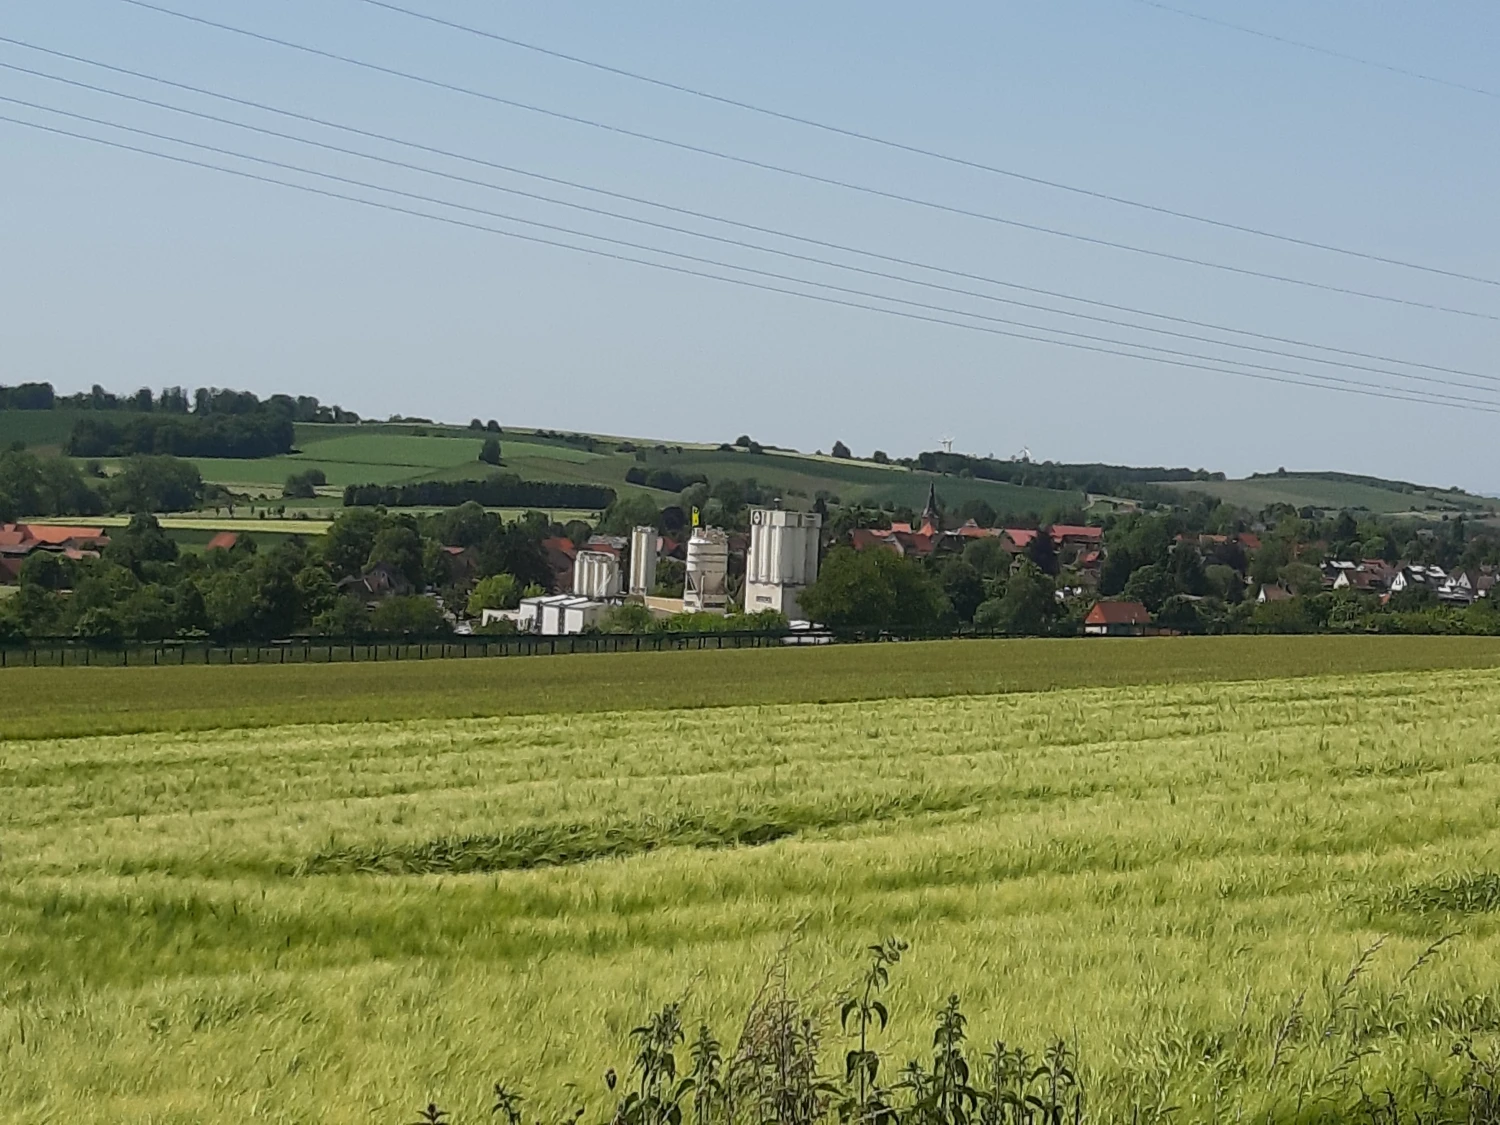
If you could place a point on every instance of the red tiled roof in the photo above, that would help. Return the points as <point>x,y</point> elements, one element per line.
<point>1061,531</point>
<point>223,541</point>
<point>56,536</point>
<point>1249,540</point>
<point>1118,613</point>
<point>1020,536</point>
<point>972,530</point>
<point>565,546</point>
<point>11,538</point>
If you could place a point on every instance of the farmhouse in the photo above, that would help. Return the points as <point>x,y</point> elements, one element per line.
<point>1117,619</point>
<point>19,540</point>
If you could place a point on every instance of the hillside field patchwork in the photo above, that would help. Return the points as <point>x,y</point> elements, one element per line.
<point>335,893</point>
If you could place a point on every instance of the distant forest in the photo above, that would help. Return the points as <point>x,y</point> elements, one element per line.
<point>209,422</point>
<point>1104,479</point>
<point>503,490</point>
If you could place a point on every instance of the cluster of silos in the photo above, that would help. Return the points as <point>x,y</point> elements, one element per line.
<point>782,560</point>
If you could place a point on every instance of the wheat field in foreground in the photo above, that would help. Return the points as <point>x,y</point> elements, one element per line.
<point>340,922</point>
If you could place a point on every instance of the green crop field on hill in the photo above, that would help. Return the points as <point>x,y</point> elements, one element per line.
<point>335,893</point>
<point>1257,493</point>
<point>399,453</point>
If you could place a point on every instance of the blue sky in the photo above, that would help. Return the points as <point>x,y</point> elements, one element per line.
<point>126,270</point>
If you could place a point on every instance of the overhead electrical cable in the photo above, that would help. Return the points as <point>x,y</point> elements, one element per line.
<point>915,150</point>
<point>1404,72</point>
<point>738,243</point>
<point>812,177</point>
<point>1100,345</point>
<point>759,229</point>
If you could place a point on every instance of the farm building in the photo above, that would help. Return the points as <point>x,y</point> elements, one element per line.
<point>1117,619</point>
<point>19,540</point>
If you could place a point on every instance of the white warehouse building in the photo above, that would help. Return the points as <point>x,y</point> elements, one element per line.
<point>783,559</point>
<point>557,615</point>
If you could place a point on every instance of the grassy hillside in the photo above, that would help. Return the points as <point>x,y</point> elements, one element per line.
<point>1175,878</point>
<point>1329,492</point>
<point>399,453</point>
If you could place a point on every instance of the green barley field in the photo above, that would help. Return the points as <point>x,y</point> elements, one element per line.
<point>336,893</point>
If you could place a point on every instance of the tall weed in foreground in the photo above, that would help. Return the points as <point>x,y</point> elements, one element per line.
<point>1308,1069</point>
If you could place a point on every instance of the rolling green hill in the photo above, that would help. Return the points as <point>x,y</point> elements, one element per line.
<point>396,453</point>
<point>1336,491</point>
<point>405,452</point>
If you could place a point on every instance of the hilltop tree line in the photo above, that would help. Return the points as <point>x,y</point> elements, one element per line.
<point>209,422</point>
<point>171,400</point>
<point>502,490</point>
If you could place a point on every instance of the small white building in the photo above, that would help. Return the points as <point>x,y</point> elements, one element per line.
<point>557,615</point>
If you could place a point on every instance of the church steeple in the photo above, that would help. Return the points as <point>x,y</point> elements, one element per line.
<point>932,522</point>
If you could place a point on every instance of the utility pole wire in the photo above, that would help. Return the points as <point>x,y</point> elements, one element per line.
<point>917,150</point>
<point>689,212</point>
<point>1392,394</point>
<point>755,271</point>
<point>738,243</point>
<point>1404,72</point>
<point>810,177</point>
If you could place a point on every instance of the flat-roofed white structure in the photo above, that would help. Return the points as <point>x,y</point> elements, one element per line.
<point>557,615</point>
<point>783,559</point>
<point>596,574</point>
<point>707,587</point>
<point>642,561</point>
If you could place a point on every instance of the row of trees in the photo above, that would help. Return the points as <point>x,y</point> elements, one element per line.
<point>172,401</point>
<point>265,433</point>
<point>501,490</point>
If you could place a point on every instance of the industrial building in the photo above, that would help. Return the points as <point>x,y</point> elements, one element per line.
<point>782,560</point>
<point>557,615</point>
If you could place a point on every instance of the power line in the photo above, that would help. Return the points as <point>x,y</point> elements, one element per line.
<point>810,177</point>
<point>576,185</point>
<point>1114,347</point>
<point>1344,56</point>
<point>738,243</point>
<point>917,150</point>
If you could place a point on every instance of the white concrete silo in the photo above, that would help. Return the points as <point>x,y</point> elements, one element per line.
<point>642,561</point>
<point>783,559</point>
<point>707,586</point>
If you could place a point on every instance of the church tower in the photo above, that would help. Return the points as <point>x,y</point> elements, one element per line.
<point>932,522</point>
